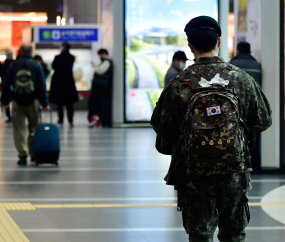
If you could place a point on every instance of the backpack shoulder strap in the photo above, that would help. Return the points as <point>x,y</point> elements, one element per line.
<point>192,79</point>
<point>18,63</point>
<point>21,63</point>
<point>225,71</point>
<point>31,64</point>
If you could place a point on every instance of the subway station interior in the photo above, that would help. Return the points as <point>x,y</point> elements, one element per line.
<point>108,182</point>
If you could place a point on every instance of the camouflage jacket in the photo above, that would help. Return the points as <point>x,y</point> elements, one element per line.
<point>170,110</point>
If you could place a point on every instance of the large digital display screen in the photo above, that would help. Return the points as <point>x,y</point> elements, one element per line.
<point>154,31</point>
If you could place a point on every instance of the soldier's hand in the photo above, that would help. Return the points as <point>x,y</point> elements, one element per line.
<point>47,108</point>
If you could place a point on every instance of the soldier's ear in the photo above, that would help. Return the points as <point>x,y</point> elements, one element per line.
<point>191,48</point>
<point>219,42</point>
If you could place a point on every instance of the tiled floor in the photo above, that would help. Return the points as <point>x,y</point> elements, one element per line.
<point>111,166</point>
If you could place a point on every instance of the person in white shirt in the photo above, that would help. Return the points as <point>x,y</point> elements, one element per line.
<point>101,94</point>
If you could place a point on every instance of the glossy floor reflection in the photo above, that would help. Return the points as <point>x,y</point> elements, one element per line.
<point>107,167</point>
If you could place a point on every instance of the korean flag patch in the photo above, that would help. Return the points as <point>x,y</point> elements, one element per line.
<point>215,110</point>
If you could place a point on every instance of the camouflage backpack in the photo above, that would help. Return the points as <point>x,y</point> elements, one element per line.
<point>213,130</point>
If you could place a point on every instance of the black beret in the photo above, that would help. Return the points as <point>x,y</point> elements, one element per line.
<point>202,22</point>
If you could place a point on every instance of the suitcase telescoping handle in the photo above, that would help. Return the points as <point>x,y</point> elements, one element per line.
<point>50,114</point>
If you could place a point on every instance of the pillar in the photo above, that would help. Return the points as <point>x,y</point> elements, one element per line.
<point>83,11</point>
<point>224,8</point>
<point>270,46</point>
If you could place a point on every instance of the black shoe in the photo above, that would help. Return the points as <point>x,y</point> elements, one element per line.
<point>71,125</point>
<point>33,159</point>
<point>22,161</point>
<point>8,121</point>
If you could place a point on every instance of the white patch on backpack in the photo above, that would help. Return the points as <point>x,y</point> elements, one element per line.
<point>217,80</point>
<point>215,110</point>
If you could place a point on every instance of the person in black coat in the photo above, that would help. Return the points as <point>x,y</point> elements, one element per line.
<point>100,102</point>
<point>245,61</point>
<point>4,68</point>
<point>63,90</point>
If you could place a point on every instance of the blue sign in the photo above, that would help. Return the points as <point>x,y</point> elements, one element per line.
<point>68,35</point>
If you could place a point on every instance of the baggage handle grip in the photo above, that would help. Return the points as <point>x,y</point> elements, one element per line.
<point>50,112</point>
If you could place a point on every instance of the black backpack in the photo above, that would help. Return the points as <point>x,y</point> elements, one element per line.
<point>24,85</point>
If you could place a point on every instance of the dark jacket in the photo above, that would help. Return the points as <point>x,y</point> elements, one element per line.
<point>4,67</point>
<point>171,107</point>
<point>100,101</point>
<point>171,73</point>
<point>63,90</point>
<point>104,81</point>
<point>247,63</point>
<point>39,79</point>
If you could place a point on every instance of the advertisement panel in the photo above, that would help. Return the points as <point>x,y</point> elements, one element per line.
<point>17,30</point>
<point>154,31</point>
<point>248,23</point>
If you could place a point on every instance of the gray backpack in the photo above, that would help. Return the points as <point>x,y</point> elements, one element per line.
<point>24,86</point>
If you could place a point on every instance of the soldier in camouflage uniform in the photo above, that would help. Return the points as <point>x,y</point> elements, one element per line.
<point>209,196</point>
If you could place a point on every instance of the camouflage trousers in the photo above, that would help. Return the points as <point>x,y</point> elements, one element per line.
<point>219,200</point>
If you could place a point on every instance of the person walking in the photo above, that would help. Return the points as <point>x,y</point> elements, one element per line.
<point>63,90</point>
<point>100,102</point>
<point>204,113</point>
<point>178,64</point>
<point>24,86</point>
<point>4,68</point>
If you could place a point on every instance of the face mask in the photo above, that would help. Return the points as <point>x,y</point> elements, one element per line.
<point>182,65</point>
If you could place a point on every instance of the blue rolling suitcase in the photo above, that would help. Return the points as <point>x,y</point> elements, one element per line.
<point>47,145</point>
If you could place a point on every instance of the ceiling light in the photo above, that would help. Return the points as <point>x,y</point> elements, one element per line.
<point>58,20</point>
<point>63,21</point>
<point>32,19</point>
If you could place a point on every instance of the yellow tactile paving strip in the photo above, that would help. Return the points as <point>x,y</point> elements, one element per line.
<point>100,205</point>
<point>29,206</point>
<point>9,230</point>
<point>266,204</point>
<point>17,206</point>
